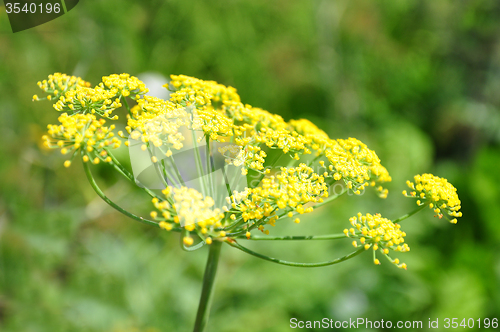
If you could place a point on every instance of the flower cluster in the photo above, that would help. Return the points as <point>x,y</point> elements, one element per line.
<point>82,131</point>
<point>89,100</point>
<point>214,92</point>
<point>317,138</point>
<point>437,193</point>
<point>213,123</point>
<point>373,231</point>
<point>285,193</point>
<point>58,83</point>
<point>81,125</point>
<point>233,154</point>
<point>222,114</point>
<point>359,166</point>
<point>124,85</point>
<point>156,121</point>
<point>191,209</point>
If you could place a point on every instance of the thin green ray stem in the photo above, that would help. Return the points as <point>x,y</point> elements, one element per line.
<point>122,170</point>
<point>113,204</point>
<point>177,172</point>
<point>193,247</point>
<point>210,168</point>
<point>158,171</point>
<point>408,215</point>
<point>208,287</point>
<point>126,106</point>
<point>296,264</point>
<point>313,160</point>
<point>294,238</point>
<point>199,165</point>
<point>118,166</point>
<point>167,174</point>
<point>236,223</point>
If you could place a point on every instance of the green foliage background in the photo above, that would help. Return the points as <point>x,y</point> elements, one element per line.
<point>417,80</point>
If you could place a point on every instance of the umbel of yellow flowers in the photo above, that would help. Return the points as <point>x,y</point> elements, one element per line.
<point>305,161</point>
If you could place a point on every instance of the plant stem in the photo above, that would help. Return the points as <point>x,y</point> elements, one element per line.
<point>208,287</point>
<point>127,107</point>
<point>210,168</point>
<point>113,204</point>
<point>122,170</point>
<point>410,214</point>
<point>293,238</point>
<point>199,165</point>
<point>283,262</point>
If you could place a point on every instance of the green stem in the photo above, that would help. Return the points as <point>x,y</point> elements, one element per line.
<point>126,106</point>
<point>199,165</point>
<point>177,172</point>
<point>208,287</point>
<point>166,173</point>
<point>283,262</point>
<point>158,171</point>
<point>122,170</point>
<point>193,247</point>
<point>293,238</point>
<point>236,223</point>
<point>116,164</point>
<point>313,160</point>
<point>113,204</point>
<point>210,168</point>
<point>411,213</point>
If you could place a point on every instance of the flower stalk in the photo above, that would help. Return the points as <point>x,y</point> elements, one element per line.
<point>236,245</point>
<point>207,291</point>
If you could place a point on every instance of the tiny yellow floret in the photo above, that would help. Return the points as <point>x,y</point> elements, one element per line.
<point>187,241</point>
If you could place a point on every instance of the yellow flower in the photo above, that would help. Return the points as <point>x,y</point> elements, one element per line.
<point>290,189</point>
<point>317,139</point>
<point>378,233</point>
<point>283,139</point>
<point>80,131</point>
<point>89,100</point>
<point>158,121</point>
<point>359,166</point>
<point>438,193</point>
<point>191,209</point>
<point>124,85</point>
<point>252,119</point>
<point>212,123</point>
<point>211,91</point>
<point>58,83</point>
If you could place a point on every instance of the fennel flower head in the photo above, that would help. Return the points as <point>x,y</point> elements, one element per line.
<point>215,161</point>
<point>440,195</point>
<point>218,169</point>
